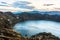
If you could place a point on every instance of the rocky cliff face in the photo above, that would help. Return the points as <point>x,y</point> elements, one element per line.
<point>44,36</point>
<point>6,31</point>
<point>9,34</point>
<point>7,20</point>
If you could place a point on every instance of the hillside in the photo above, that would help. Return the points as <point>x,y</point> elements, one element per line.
<point>8,20</point>
<point>44,36</point>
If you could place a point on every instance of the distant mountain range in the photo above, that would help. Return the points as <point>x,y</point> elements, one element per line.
<point>40,12</point>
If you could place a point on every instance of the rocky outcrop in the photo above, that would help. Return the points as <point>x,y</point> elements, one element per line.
<point>44,36</point>
<point>9,34</point>
<point>6,29</point>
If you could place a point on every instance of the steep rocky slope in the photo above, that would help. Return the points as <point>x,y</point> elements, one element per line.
<point>44,36</point>
<point>6,31</point>
<point>9,34</point>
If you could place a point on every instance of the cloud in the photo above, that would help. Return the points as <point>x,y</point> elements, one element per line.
<point>3,2</point>
<point>8,1</point>
<point>22,4</point>
<point>6,6</point>
<point>48,4</point>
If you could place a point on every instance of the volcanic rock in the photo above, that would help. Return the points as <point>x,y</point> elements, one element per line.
<point>44,36</point>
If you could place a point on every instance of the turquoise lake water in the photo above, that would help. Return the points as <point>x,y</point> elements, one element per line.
<point>33,27</point>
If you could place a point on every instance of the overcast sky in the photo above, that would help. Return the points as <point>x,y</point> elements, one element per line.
<point>39,4</point>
